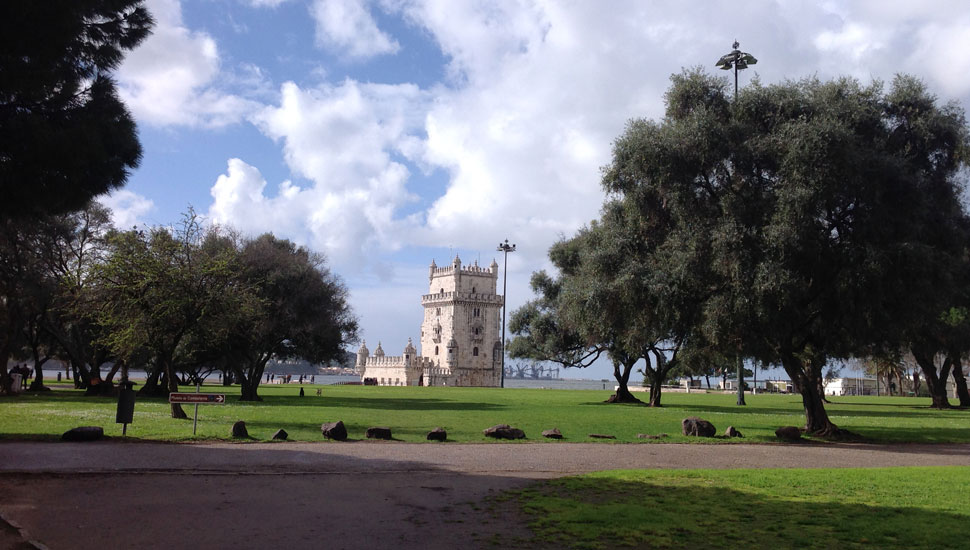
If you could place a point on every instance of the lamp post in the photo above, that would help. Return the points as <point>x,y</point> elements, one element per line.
<point>737,60</point>
<point>505,248</point>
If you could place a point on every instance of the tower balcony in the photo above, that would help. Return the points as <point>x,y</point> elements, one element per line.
<point>466,297</point>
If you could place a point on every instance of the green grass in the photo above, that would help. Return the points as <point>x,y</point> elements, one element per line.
<point>848,508</point>
<point>464,412</point>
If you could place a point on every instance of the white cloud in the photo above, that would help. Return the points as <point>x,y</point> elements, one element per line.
<point>343,140</point>
<point>536,92</point>
<point>127,208</point>
<point>172,78</point>
<point>348,27</point>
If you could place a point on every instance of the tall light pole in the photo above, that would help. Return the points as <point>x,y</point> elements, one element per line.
<point>737,60</point>
<point>506,248</point>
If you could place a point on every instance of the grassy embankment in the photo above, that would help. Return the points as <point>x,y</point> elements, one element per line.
<point>464,412</point>
<point>905,508</point>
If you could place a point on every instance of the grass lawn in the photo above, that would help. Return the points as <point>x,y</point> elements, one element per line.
<point>910,508</point>
<point>464,412</point>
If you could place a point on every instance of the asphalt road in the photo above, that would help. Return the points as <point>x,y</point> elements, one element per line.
<point>362,494</point>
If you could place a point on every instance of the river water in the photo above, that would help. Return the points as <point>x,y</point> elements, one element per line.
<point>533,383</point>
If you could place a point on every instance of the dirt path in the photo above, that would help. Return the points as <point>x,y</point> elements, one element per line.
<point>332,495</point>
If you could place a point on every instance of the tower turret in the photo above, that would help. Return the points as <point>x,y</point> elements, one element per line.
<point>409,352</point>
<point>362,354</point>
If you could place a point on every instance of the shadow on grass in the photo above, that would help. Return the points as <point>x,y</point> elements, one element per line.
<point>327,401</point>
<point>383,403</point>
<point>833,409</point>
<point>593,513</point>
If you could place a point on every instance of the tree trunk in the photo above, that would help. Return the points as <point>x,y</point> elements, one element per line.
<point>173,387</point>
<point>249,379</point>
<point>38,383</point>
<point>622,376</point>
<point>707,378</point>
<point>960,381</point>
<point>151,387</point>
<point>741,402</point>
<point>805,380</point>
<point>935,382</point>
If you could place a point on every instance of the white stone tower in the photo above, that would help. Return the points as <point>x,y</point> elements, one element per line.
<point>460,332</point>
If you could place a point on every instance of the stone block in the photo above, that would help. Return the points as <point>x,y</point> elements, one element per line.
<point>504,431</point>
<point>239,430</point>
<point>552,434</point>
<point>788,433</point>
<point>334,430</point>
<point>378,432</point>
<point>83,433</point>
<point>698,427</point>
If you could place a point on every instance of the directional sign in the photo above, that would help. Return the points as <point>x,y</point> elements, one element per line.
<point>198,398</point>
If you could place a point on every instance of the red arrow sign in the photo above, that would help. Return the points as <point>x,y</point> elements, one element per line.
<point>200,398</point>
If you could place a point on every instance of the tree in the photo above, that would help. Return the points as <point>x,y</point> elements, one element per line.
<point>887,366</point>
<point>814,217</point>
<point>162,285</point>
<point>71,247</point>
<point>65,136</point>
<point>300,311</point>
<point>604,303</point>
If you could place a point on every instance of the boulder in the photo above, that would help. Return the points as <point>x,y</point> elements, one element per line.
<point>698,427</point>
<point>239,429</point>
<point>378,432</point>
<point>602,436</point>
<point>280,435</point>
<point>651,436</point>
<point>788,433</point>
<point>437,434</point>
<point>504,431</point>
<point>731,431</point>
<point>83,433</point>
<point>552,434</point>
<point>334,430</point>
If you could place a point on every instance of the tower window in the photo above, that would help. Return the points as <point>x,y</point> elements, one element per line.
<point>476,312</point>
<point>436,350</point>
<point>473,290</point>
<point>475,351</point>
<point>437,311</point>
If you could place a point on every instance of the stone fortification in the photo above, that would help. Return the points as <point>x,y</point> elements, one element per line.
<point>461,342</point>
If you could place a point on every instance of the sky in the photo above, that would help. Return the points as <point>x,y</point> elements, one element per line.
<point>386,134</point>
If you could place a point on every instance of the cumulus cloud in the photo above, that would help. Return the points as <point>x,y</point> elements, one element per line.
<point>172,77</point>
<point>534,96</point>
<point>349,28</point>
<point>127,208</point>
<point>349,142</point>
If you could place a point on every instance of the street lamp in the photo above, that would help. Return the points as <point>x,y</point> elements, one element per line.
<point>506,248</point>
<point>737,60</point>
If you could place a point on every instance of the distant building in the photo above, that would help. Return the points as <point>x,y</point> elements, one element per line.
<point>850,386</point>
<point>461,342</point>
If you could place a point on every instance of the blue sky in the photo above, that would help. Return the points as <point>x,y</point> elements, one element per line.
<point>388,133</point>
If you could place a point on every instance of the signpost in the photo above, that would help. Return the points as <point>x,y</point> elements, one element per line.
<point>198,399</point>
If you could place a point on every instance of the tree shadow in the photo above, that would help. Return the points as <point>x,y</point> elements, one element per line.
<point>602,513</point>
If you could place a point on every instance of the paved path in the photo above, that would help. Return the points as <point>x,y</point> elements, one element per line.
<point>336,495</point>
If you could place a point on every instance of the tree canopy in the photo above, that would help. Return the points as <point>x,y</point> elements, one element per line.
<point>804,222</point>
<point>65,136</point>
